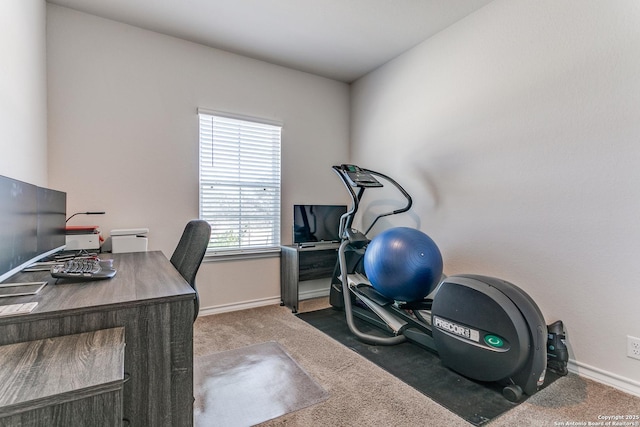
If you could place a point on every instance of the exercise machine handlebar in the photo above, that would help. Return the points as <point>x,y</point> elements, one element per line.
<point>355,177</point>
<point>352,177</point>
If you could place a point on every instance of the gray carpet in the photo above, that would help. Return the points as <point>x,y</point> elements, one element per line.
<point>250,385</point>
<point>362,394</point>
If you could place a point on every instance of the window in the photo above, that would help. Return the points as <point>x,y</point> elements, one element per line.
<point>240,183</point>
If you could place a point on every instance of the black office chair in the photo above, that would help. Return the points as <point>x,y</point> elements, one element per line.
<point>189,253</point>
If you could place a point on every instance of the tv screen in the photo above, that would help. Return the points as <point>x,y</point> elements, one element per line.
<point>317,223</point>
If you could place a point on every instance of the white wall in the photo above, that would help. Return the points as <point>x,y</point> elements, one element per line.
<point>516,131</point>
<point>23,91</point>
<point>123,134</point>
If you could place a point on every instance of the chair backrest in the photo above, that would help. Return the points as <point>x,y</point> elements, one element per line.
<point>190,252</point>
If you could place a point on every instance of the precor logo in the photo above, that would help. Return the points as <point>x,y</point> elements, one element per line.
<point>451,327</point>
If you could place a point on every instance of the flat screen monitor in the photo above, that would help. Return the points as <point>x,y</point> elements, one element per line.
<point>317,223</point>
<point>31,224</point>
<point>52,212</point>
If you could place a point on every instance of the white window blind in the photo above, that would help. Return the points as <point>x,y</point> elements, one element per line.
<point>240,183</point>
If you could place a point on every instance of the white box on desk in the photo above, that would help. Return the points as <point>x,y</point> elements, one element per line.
<point>82,241</point>
<point>129,240</point>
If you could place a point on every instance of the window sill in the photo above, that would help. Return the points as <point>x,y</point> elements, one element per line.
<point>213,256</point>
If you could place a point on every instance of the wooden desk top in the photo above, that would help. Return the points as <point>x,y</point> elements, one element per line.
<point>142,278</point>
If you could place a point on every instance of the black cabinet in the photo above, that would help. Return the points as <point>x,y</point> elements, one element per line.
<point>299,263</point>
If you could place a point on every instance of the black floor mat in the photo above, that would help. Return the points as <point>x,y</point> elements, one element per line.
<point>473,401</point>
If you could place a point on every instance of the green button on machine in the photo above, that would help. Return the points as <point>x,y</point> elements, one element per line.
<point>493,341</point>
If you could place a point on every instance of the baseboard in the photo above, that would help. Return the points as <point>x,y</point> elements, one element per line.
<point>604,377</point>
<point>244,305</point>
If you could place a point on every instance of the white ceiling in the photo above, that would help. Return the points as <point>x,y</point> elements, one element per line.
<point>338,39</point>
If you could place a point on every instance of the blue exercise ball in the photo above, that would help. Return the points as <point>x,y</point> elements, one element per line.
<point>403,264</point>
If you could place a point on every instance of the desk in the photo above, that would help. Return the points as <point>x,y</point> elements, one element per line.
<point>298,263</point>
<point>73,380</point>
<point>153,303</point>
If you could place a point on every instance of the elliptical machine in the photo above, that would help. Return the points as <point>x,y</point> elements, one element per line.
<point>482,327</point>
